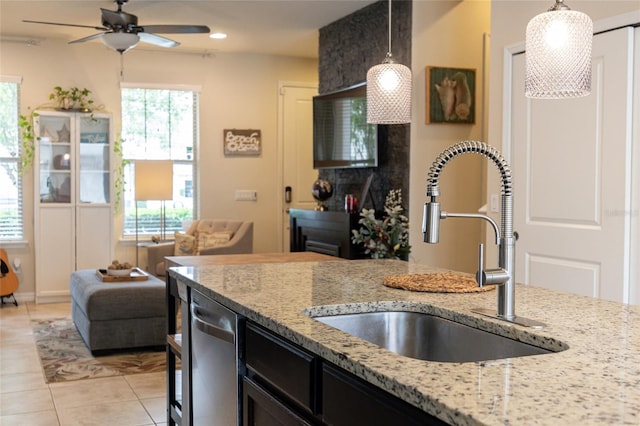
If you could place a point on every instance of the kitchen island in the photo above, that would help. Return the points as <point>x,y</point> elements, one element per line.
<point>593,378</point>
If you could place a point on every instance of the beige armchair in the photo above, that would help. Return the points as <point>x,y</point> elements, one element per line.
<point>204,237</point>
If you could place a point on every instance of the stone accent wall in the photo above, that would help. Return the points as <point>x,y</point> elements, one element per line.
<point>348,48</point>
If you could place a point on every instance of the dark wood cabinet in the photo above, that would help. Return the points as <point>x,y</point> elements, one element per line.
<point>287,385</point>
<point>175,338</point>
<point>262,408</point>
<point>282,367</point>
<point>348,401</point>
<point>324,232</point>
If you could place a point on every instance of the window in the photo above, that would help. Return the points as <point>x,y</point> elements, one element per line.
<point>160,124</point>
<point>11,221</point>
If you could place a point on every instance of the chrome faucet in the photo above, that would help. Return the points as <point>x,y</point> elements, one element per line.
<point>504,276</point>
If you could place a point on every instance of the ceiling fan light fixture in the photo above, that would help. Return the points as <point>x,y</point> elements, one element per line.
<point>218,36</point>
<point>120,42</point>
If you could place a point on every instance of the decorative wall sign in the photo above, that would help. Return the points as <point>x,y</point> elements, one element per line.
<point>450,95</point>
<point>94,137</point>
<point>242,142</point>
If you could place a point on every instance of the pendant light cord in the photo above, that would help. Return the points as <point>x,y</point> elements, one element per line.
<point>389,26</point>
<point>121,67</point>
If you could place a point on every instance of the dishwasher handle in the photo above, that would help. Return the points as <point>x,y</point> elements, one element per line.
<point>212,329</point>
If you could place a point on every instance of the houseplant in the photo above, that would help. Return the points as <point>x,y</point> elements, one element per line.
<point>121,163</point>
<point>74,98</point>
<point>27,140</point>
<point>386,237</point>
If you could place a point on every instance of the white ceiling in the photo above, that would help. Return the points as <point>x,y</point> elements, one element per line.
<point>284,27</point>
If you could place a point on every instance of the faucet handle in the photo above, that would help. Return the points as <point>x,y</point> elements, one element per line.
<point>480,275</point>
<point>484,276</point>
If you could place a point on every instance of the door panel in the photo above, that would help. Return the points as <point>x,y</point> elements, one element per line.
<point>93,239</point>
<point>298,172</point>
<point>571,172</point>
<point>566,274</point>
<point>55,250</point>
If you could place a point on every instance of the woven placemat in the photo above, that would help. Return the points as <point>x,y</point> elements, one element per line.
<point>437,282</point>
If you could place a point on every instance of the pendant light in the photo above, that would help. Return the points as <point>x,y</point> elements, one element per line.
<point>558,54</point>
<point>389,90</point>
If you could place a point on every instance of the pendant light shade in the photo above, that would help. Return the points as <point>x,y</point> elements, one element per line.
<point>389,90</point>
<point>389,93</point>
<point>558,54</point>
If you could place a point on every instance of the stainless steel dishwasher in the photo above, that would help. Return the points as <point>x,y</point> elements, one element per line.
<point>214,369</point>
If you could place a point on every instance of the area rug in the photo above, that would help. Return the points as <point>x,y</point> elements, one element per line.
<point>64,356</point>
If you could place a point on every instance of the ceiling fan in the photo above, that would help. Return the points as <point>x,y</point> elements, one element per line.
<point>121,31</point>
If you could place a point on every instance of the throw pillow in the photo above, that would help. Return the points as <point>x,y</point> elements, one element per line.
<point>223,235</point>
<point>193,228</point>
<point>213,239</point>
<point>186,245</point>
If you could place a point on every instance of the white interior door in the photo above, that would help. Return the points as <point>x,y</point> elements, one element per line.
<point>297,133</point>
<point>571,163</point>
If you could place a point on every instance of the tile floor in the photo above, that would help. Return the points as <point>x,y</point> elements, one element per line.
<point>25,398</point>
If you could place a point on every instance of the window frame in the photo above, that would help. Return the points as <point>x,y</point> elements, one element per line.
<point>127,193</point>
<point>20,237</point>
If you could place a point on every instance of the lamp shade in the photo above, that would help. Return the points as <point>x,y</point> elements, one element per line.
<point>389,93</point>
<point>120,42</point>
<point>153,180</point>
<point>558,55</point>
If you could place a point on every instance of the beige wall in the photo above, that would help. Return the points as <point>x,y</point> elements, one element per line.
<point>238,91</point>
<point>447,34</point>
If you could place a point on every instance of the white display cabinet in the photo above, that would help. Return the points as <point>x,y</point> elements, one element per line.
<point>73,205</point>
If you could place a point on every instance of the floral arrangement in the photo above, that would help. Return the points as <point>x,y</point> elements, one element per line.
<point>387,237</point>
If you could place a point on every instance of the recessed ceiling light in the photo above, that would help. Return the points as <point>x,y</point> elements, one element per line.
<point>218,36</point>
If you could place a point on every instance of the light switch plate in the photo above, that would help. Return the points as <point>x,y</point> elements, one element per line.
<point>246,195</point>
<point>495,203</point>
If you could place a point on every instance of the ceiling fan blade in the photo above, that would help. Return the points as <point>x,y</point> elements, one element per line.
<point>176,29</point>
<point>157,40</point>
<point>91,37</point>
<point>65,25</point>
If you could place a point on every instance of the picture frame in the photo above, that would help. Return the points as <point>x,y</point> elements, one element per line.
<point>242,142</point>
<point>450,95</point>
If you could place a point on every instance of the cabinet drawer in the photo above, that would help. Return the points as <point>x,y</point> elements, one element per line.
<point>347,400</point>
<point>261,408</point>
<point>281,365</point>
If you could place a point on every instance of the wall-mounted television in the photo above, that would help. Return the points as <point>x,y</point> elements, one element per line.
<point>341,136</point>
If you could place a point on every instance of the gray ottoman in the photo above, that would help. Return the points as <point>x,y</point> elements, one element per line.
<point>118,315</point>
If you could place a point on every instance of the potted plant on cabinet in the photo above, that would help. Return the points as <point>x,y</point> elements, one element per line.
<point>72,99</point>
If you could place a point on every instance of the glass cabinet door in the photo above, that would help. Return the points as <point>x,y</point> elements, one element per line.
<point>55,159</point>
<point>94,180</point>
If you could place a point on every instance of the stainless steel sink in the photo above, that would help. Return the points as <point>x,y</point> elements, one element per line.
<point>428,337</point>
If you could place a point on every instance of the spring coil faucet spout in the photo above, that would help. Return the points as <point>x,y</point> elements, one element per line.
<point>503,276</point>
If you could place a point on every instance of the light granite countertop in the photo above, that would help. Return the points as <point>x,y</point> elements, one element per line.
<point>596,381</point>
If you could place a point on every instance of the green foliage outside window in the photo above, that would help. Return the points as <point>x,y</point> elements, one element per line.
<point>159,124</point>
